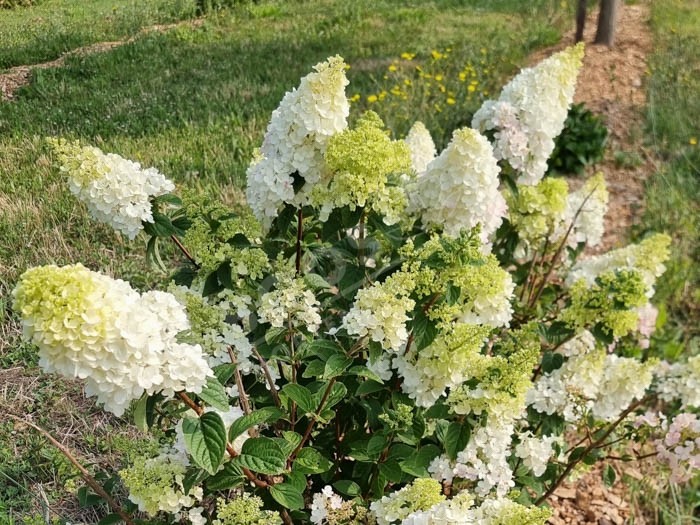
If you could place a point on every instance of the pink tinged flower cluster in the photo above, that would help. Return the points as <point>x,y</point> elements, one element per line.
<point>530,113</point>
<point>99,329</point>
<point>296,140</point>
<point>459,189</point>
<point>679,449</point>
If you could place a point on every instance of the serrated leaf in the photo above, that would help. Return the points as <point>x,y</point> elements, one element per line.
<point>214,395</point>
<point>301,396</point>
<point>227,478</point>
<point>262,455</point>
<point>275,335</point>
<point>363,371</point>
<point>337,393</point>
<point>258,417</point>
<point>456,438</point>
<point>314,369</point>
<point>424,330</point>
<point>336,365</point>
<point>287,495</point>
<point>140,419</point>
<point>205,439</point>
<point>153,254</point>
<point>316,282</point>
<point>223,273</point>
<point>325,348</point>
<point>347,487</point>
<point>211,285</point>
<point>311,461</point>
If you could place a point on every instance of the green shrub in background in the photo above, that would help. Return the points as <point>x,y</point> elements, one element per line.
<point>11,4</point>
<point>581,143</point>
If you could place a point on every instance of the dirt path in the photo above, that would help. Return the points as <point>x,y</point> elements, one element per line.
<point>16,77</point>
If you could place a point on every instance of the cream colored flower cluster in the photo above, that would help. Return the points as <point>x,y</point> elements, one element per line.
<point>122,343</point>
<point>647,258</point>
<point>681,381</point>
<point>460,510</point>
<point>296,140</point>
<point>459,189</point>
<point>530,113</point>
<point>421,146</point>
<point>597,383</point>
<point>290,303</point>
<point>116,191</point>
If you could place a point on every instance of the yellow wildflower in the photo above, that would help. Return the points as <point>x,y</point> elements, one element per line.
<point>372,99</point>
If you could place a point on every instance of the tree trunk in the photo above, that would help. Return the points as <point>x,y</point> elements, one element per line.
<point>580,19</point>
<point>606,22</point>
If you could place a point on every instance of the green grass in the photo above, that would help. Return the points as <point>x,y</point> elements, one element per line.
<point>193,101</point>
<point>45,31</point>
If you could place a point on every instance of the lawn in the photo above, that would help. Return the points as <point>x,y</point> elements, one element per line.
<point>194,102</point>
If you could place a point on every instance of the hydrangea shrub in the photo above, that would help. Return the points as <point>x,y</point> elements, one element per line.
<point>387,334</point>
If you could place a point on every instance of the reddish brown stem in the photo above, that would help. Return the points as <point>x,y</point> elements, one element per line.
<point>184,251</point>
<point>268,377</point>
<point>310,426</point>
<point>300,233</point>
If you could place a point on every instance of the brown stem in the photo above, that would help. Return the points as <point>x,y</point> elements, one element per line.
<point>310,426</point>
<point>559,250</point>
<point>570,466</point>
<point>286,518</point>
<point>92,482</point>
<point>361,242</point>
<point>184,251</point>
<point>268,377</point>
<point>300,233</point>
<point>242,396</point>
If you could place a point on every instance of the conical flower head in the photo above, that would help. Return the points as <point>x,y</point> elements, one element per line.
<point>530,113</point>
<point>291,156</point>
<point>421,146</point>
<point>90,326</point>
<point>459,189</point>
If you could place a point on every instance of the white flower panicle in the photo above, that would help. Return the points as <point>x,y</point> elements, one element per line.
<point>493,310</point>
<point>595,382</point>
<point>380,312</point>
<point>296,139</point>
<point>586,209</point>
<point>535,452</point>
<point>291,303</point>
<point>116,191</point>
<point>122,343</point>
<point>484,461</point>
<point>679,449</point>
<point>322,503</point>
<point>680,381</point>
<point>459,189</point>
<point>460,510</point>
<point>530,113</point>
<point>421,146</point>
<point>580,344</point>
<point>647,257</point>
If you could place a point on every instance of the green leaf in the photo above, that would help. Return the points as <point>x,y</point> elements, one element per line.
<point>301,396</point>
<point>227,478</point>
<point>223,273</point>
<point>224,372</point>
<point>153,254</point>
<point>275,335</point>
<point>551,361</point>
<point>311,461</point>
<point>324,348</point>
<point>213,394</point>
<point>262,455</point>
<point>456,438</point>
<point>376,445</point>
<point>316,282</point>
<point>391,470</point>
<point>347,487</point>
<point>314,369</point>
<point>336,365</point>
<point>289,442</point>
<point>417,464</point>
<point>363,371</point>
<point>338,392</point>
<point>424,330</point>
<point>287,495</point>
<point>262,415</point>
<point>205,438</point>
<point>609,475</point>
<point>86,498</point>
<point>211,285</point>
<point>369,387</point>
<point>140,419</point>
